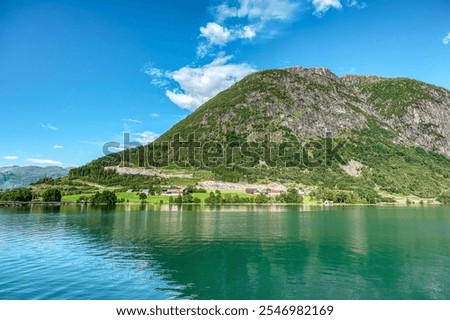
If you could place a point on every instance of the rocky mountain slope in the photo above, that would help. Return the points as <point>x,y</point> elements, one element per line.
<point>310,102</point>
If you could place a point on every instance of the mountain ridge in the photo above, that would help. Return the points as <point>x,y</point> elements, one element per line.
<point>16,176</point>
<point>326,90</point>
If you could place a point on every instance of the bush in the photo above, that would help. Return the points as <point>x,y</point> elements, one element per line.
<point>52,195</point>
<point>187,198</point>
<point>388,200</point>
<point>19,194</point>
<point>291,196</point>
<point>444,198</point>
<point>213,198</point>
<point>106,197</point>
<point>342,196</point>
<point>142,197</point>
<point>260,198</point>
<point>192,189</point>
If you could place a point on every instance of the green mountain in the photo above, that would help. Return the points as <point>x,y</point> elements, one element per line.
<point>360,135</point>
<point>15,177</point>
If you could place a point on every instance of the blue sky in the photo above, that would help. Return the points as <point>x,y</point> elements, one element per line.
<point>76,74</point>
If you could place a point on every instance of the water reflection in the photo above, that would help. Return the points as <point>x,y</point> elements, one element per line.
<point>266,252</point>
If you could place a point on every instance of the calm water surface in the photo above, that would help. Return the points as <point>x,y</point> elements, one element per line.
<point>134,252</point>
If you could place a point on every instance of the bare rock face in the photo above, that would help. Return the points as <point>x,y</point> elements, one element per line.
<point>353,168</point>
<point>427,126</point>
<point>307,103</point>
<point>319,103</point>
<point>419,113</point>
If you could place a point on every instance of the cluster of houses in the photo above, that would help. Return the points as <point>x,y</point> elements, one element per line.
<point>269,191</point>
<point>164,192</point>
<point>172,192</point>
<point>252,191</point>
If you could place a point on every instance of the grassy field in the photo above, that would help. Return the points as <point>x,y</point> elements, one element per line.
<point>309,200</point>
<point>74,197</point>
<point>134,197</point>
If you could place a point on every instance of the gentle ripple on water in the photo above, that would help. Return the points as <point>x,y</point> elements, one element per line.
<point>230,253</point>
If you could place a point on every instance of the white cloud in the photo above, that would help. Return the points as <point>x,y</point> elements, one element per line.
<point>247,33</point>
<point>322,6</point>
<point>158,77</point>
<point>10,157</point>
<point>45,161</point>
<point>446,39</point>
<point>185,100</point>
<point>216,34</point>
<point>154,115</point>
<point>134,120</point>
<point>146,137</point>
<point>57,146</point>
<point>202,49</point>
<point>49,126</point>
<point>243,21</point>
<point>198,85</point>
<point>356,4</point>
<point>258,10</point>
<point>233,20</point>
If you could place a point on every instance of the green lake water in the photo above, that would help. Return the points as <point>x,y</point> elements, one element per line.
<point>245,252</point>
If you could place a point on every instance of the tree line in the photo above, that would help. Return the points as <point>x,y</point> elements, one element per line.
<point>27,195</point>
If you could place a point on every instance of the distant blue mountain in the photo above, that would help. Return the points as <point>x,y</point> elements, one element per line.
<point>15,177</point>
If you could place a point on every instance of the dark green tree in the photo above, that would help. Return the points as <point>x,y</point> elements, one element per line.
<point>106,197</point>
<point>52,195</point>
<point>211,199</point>
<point>260,198</point>
<point>291,196</point>
<point>444,198</point>
<point>18,194</point>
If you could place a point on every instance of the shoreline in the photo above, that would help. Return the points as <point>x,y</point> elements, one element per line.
<point>18,204</point>
<point>21,204</point>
